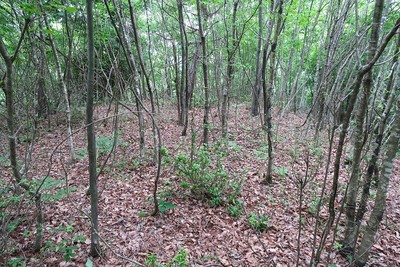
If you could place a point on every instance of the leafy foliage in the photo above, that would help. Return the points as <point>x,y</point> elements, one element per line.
<point>205,176</point>
<point>179,260</point>
<point>258,222</point>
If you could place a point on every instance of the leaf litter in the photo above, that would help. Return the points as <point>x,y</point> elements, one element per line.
<point>210,235</point>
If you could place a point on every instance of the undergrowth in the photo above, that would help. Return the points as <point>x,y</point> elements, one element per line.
<point>202,173</point>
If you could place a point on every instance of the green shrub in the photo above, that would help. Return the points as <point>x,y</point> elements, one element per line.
<point>235,209</point>
<point>258,222</point>
<point>204,175</point>
<point>179,260</point>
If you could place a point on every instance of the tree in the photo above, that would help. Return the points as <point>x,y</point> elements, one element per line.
<point>380,201</point>
<point>352,191</point>
<point>255,105</point>
<point>232,44</point>
<point>205,71</point>
<point>91,138</point>
<point>62,84</point>
<point>268,87</point>
<point>184,79</point>
<point>346,121</point>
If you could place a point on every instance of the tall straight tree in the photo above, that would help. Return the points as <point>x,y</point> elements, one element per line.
<point>61,80</point>
<point>232,44</point>
<point>205,71</point>
<point>184,84</point>
<point>268,87</point>
<point>91,138</point>
<point>123,38</point>
<point>389,99</point>
<point>150,89</point>
<point>255,104</point>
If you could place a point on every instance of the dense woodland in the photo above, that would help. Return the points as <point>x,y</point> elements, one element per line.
<point>199,133</point>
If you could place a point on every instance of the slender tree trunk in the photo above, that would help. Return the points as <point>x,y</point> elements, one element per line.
<point>255,104</point>
<point>346,121</point>
<point>12,133</point>
<point>147,80</point>
<point>153,80</point>
<point>184,85</point>
<point>205,71</point>
<point>268,90</point>
<point>388,99</point>
<point>122,36</point>
<point>352,191</point>
<point>91,138</point>
<point>231,50</point>
<point>63,86</point>
<point>380,201</point>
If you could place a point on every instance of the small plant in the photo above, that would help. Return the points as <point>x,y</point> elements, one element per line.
<point>205,176</point>
<point>235,209</point>
<point>261,153</point>
<point>67,246</point>
<point>164,206</point>
<point>104,144</point>
<point>337,245</point>
<point>234,146</point>
<point>4,161</point>
<point>179,260</point>
<point>16,262</point>
<point>81,154</point>
<point>280,171</point>
<point>258,222</point>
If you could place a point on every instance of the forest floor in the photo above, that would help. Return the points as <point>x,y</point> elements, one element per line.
<point>211,235</point>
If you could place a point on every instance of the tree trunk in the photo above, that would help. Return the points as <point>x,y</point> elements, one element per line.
<point>205,71</point>
<point>91,138</point>
<point>133,68</point>
<point>150,90</point>
<point>63,87</point>
<point>231,50</point>
<point>346,121</point>
<point>184,101</point>
<point>388,99</point>
<point>268,90</point>
<point>255,104</point>
<point>380,201</point>
<point>352,191</point>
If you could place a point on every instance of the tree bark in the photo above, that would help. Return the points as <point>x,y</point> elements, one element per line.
<point>91,138</point>
<point>63,86</point>
<point>346,121</point>
<point>231,51</point>
<point>184,90</point>
<point>205,72</point>
<point>380,201</point>
<point>352,191</point>
<point>388,99</point>
<point>268,89</point>
<point>255,104</point>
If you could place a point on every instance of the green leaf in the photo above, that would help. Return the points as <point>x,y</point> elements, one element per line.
<point>71,9</point>
<point>165,205</point>
<point>50,32</point>
<point>88,263</point>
